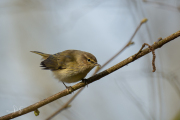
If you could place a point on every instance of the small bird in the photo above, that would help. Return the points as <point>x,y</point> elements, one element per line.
<point>70,65</point>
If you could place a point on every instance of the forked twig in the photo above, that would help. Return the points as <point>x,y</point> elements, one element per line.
<point>151,49</point>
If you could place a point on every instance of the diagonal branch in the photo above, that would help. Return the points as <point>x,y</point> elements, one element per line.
<point>94,78</point>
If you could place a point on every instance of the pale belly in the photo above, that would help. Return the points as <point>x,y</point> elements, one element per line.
<point>69,76</point>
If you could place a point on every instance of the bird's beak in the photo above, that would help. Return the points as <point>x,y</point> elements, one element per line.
<point>97,64</point>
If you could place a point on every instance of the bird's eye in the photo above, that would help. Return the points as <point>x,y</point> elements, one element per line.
<point>88,60</point>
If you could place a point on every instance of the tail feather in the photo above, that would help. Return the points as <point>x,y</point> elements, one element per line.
<point>43,65</point>
<point>44,55</point>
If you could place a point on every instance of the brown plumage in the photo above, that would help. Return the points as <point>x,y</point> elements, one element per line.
<point>70,65</point>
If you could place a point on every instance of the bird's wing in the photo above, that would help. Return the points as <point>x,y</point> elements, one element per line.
<point>51,63</point>
<point>57,61</point>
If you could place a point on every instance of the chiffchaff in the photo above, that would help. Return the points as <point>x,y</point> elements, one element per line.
<point>70,65</point>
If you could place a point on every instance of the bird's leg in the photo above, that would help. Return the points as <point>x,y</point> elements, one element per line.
<point>70,89</point>
<point>64,84</point>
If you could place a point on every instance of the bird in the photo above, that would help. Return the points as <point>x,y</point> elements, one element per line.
<point>68,66</point>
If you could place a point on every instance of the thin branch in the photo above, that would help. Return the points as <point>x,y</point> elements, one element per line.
<point>153,53</point>
<point>65,105</point>
<point>162,4</point>
<point>128,92</point>
<point>94,78</point>
<point>129,43</point>
<point>99,68</point>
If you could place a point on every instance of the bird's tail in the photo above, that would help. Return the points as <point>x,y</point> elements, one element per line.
<point>44,55</point>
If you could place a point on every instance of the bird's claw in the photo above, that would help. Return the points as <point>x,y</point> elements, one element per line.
<point>70,89</point>
<point>85,81</point>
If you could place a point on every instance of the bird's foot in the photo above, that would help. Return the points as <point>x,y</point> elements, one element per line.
<point>85,81</point>
<point>70,89</point>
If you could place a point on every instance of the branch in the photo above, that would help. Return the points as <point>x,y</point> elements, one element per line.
<point>129,43</point>
<point>162,4</point>
<point>99,68</point>
<point>94,78</point>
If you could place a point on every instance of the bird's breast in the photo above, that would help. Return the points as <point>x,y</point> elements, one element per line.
<point>69,75</point>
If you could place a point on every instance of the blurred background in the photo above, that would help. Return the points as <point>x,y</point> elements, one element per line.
<point>101,27</point>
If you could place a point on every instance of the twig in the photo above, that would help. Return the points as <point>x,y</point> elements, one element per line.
<point>65,105</point>
<point>99,68</point>
<point>162,4</point>
<point>153,53</point>
<point>90,80</point>
<point>129,43</point>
